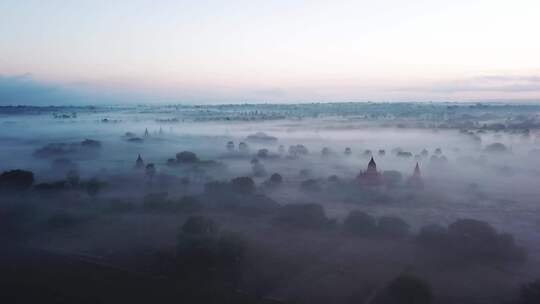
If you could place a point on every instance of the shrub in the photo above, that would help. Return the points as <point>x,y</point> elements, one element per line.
<point>359,223</point>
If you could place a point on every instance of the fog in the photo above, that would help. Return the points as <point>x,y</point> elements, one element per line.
<point>328,229</point>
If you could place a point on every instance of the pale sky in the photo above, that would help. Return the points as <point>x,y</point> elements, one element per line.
<point>272,51</point>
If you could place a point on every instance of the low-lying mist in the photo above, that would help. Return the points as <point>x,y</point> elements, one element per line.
<point>348,203</point>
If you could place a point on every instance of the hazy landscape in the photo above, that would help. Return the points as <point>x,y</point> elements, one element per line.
<point>270,152</point>
<point>276,203</point>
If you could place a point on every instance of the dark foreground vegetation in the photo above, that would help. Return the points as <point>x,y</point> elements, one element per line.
<point>69,242</point>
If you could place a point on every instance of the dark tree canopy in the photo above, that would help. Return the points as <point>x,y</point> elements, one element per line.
<point>276,178</point>
<point>406,289</point>
<point>530,293</point>
<point>310,216</point>
<point>393,226</point>
<point>186,157</point>
<point>93,187</point>
<point>243,185</point>
<point>199,225</point>
<point>16,180</point>
<point>359,223</point>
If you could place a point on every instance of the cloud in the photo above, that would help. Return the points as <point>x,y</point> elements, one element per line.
<point>491,83</point>
<point>24,90</point>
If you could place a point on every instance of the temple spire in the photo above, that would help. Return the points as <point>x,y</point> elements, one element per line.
<point>417,170</point>
<point>139,163</point>
<point>372,163</point>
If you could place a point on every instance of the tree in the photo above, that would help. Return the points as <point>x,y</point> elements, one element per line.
<point>186,157</point>
<point>73,178</point>
<point>150,171</point>
<point>263,153</point>
<point>243,148</point>
<point>529,293</point>
<point>406,289</point>
<point>185,181</point>
<point>359,223</point>
<point>310,185</point>
<point>91,144</point>
<point>392,226</point>
<point>16,180</point>
<point>496,148</point>
<point>432,234</point>
<point>325,152</point>
<point>199,225</point>
<point>276,179</point>
<point>471,230</point>
<point>243,185</point>
<point>230,146</point>
<point>93,187</point>
<point>258,169</point>
<point>307,216</point>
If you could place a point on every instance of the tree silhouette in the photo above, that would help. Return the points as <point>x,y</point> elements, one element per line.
<point>16,180</point>
<point>93,187</point>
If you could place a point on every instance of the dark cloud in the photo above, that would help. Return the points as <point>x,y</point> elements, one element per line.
<point>24,90</point>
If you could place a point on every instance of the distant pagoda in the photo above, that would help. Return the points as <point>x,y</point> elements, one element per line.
<point>139,163</point>
<point>371,177</point>
<point>415,180</point>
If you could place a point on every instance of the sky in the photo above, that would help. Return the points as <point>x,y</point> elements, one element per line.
<point>122,51</point>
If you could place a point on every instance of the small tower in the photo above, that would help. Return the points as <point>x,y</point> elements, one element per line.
<point>372,166</point>
<point>417,171</point>
<point>139,163</point>
<point>146,134</point>
<point>415,180</point>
